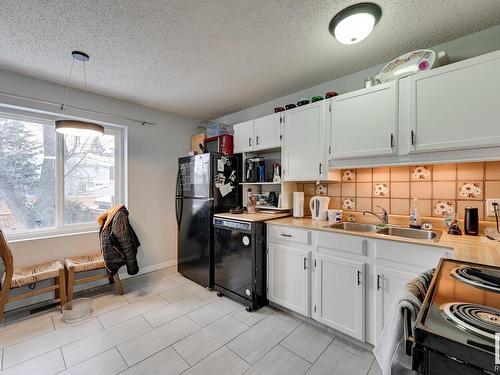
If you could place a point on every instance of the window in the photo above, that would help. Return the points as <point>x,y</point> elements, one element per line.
<point>53,183</point>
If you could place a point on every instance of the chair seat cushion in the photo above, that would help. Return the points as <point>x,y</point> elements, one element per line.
<point>85,262</point>
<point>38,272</point>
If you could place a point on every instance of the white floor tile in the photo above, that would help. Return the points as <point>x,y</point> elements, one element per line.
<point>49,341</point>
<point>174,310</point>
<point>280,361</point>
<point>222,362</point>
<point>166,362</point>
<point>261,338</point>
<point>208,339</point>
<point>156,340</point>
<point>98,343</point>
<point>252,318</point>
<point>336,360</point>
<point>25,329</point>
<point>121,314</point>
<point>46,364</point>
<point>107,363</point>
<point>307,341</point>
<point>151,289</point>
<point>213,311</point>
<point>354,349</point>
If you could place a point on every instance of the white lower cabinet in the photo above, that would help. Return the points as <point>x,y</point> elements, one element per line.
<point>389,283</point>
<point>340,294</point>
<point>356,279</point>
<point>289,277</point>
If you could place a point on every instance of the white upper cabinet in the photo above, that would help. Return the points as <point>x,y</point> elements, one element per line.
<point>267,132</point>
<point>364,122</point>
<point>303,143</point>
<point>455,106</point>
<point>243,137</point>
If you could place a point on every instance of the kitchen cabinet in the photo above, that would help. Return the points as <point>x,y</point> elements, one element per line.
<point>267,132</point>
<point>289,277</point>
<point>340,294</point>
<point>389,283</point>
<point>303,143</point>
<point>243,137</point>
<point>455,107</point>
<point>260,134</point>
<point>364,122</point>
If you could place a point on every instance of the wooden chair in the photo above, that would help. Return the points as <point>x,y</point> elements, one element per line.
<point>86,263</point>
<point>29,275</point>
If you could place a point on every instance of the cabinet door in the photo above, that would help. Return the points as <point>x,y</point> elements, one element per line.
<point>243,137</point>
<point>289,278</point>
<point>267,132</point>
<point>364,123</point>
<point>389,283</point>
<point>340,294</point>
<point>455,106</point>
<point>303,145</point>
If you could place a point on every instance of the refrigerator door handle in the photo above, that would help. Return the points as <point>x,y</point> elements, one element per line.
<point>179,191</point>
<point>178,210</point>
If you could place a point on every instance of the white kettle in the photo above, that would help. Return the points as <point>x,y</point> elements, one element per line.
<point>319,207</point>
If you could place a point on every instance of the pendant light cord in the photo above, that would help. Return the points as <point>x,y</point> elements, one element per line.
<point>69,81</point>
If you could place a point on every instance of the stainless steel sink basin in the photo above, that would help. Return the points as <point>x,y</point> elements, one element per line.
<point>354,227</point>
<point>418,234</point>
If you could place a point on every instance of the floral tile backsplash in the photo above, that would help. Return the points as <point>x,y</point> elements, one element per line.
<point>441,189</point>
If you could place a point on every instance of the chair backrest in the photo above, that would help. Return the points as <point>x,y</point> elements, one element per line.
<point>5,253</point>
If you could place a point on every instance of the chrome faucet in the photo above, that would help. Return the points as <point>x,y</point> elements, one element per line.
<point>384,217</point>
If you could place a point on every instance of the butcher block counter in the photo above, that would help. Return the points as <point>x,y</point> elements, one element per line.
<point>478,249</point>
<point>259,216</point>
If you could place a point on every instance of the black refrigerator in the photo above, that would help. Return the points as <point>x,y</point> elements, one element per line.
<point>206,184</point>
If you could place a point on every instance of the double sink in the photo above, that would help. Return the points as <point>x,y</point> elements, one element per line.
<point>388,230</point>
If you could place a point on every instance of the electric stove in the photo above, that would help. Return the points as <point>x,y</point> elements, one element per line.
<point>455,330</point>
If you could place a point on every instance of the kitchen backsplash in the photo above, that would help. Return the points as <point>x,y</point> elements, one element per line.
<point>440,189</point>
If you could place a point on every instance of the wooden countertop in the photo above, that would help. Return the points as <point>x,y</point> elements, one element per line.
<point>478,249</point>
<point>259,216</point>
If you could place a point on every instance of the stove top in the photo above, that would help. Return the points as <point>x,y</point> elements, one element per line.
<point>461,313</point>
<point>479,276</point>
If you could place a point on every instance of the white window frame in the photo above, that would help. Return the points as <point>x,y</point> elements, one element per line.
<point>60,228</point>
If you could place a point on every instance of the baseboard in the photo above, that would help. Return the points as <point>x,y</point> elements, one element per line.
<point>147,269</point>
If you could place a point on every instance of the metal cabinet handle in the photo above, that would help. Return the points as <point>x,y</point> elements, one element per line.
<point>305,263</point>
<point>320,168</point>
<point>378,282</point>
<point>249,142</point>
<point>392,140</point>
<point>257,140</point>
<point>359,277</point>
<point>412,138</point>
<point>286,235</point>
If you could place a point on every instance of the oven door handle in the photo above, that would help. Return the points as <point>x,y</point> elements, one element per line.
<point>409,341</point>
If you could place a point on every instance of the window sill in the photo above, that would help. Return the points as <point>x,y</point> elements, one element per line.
<point>17,238</point>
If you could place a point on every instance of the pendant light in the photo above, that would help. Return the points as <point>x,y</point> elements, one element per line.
<point>76,127</point>
<point>354,23</point>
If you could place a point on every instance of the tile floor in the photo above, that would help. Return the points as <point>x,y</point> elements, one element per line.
<point>166,324</point>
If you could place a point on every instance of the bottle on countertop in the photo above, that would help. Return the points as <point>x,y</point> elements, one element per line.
<point>415,215</point>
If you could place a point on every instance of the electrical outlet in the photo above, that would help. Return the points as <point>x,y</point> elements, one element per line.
<point>489,206</point>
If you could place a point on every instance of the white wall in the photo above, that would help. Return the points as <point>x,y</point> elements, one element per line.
<point>152,168</point>
<point>459,49</point>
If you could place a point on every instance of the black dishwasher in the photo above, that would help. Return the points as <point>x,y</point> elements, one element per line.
<point>240,261</point>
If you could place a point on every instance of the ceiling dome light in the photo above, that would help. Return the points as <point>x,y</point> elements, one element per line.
<point>353,24</point>
<point>79,128</point>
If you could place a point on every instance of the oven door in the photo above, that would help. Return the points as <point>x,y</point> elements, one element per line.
<point>233,257</point>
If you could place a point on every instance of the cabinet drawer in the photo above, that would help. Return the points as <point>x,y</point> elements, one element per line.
<point>278,232</point>
<point>341,242</point>
<point>413,255</point>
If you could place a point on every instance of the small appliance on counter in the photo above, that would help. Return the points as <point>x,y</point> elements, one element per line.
<point>471,221</point>
<point>319,207</point>
<point>455,329</point>
<point>222,144</point>
<point>255,169</point>
<point>240,261</point>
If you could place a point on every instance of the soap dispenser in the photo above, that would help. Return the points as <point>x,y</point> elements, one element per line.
<point>414,215</point>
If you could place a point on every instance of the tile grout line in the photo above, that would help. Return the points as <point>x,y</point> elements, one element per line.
<point>236,354</point>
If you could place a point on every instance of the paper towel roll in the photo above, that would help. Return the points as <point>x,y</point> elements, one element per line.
<point>298,204</point>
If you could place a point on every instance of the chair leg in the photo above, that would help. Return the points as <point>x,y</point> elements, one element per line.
<point>62,287</point>
<point>4,294</point>
<point>70,283</point>
<point>118,284</point>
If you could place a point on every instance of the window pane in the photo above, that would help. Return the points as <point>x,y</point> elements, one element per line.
<point>89,181</point>
<point>27,175</point>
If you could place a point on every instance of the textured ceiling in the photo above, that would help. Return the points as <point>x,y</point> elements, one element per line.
<point>207,58</point>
